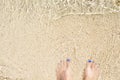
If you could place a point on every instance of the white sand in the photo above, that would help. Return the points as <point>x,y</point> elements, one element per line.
<point>34,36</point>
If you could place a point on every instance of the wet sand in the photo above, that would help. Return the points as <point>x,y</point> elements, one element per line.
<point>34,38</point>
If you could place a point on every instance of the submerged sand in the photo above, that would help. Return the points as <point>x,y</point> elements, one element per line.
<point>36,35</point>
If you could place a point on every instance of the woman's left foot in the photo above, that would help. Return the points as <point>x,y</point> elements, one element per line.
<point>63,70</point>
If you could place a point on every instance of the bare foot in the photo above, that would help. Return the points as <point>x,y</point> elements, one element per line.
<point>91,71</point>
<point>63,70</point>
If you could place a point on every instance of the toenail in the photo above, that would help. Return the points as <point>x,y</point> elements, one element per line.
<point>68,60</point>
<point>90,61</point>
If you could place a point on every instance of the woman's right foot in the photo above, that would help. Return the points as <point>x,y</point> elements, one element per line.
<point>91,71</point>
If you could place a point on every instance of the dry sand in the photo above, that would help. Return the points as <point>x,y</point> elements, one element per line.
<point>36,34</point>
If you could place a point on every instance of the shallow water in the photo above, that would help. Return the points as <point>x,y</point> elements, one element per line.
<point>36,35</point>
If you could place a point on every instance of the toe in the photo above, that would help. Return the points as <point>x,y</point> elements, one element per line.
<point>61,63</point>
<point>93,65</point>
<point>58,66</point>
<point>96,66</point>
<point>68,60</point>
<point>58,69</point>
<point>89,64</point>
<point>64,65</point>
<point>67,63</point>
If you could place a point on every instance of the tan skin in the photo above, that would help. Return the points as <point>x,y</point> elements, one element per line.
<point>63,71</point>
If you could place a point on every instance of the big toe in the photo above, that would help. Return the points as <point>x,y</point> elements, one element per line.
<point>68,63</point>
<point>89,64</point>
